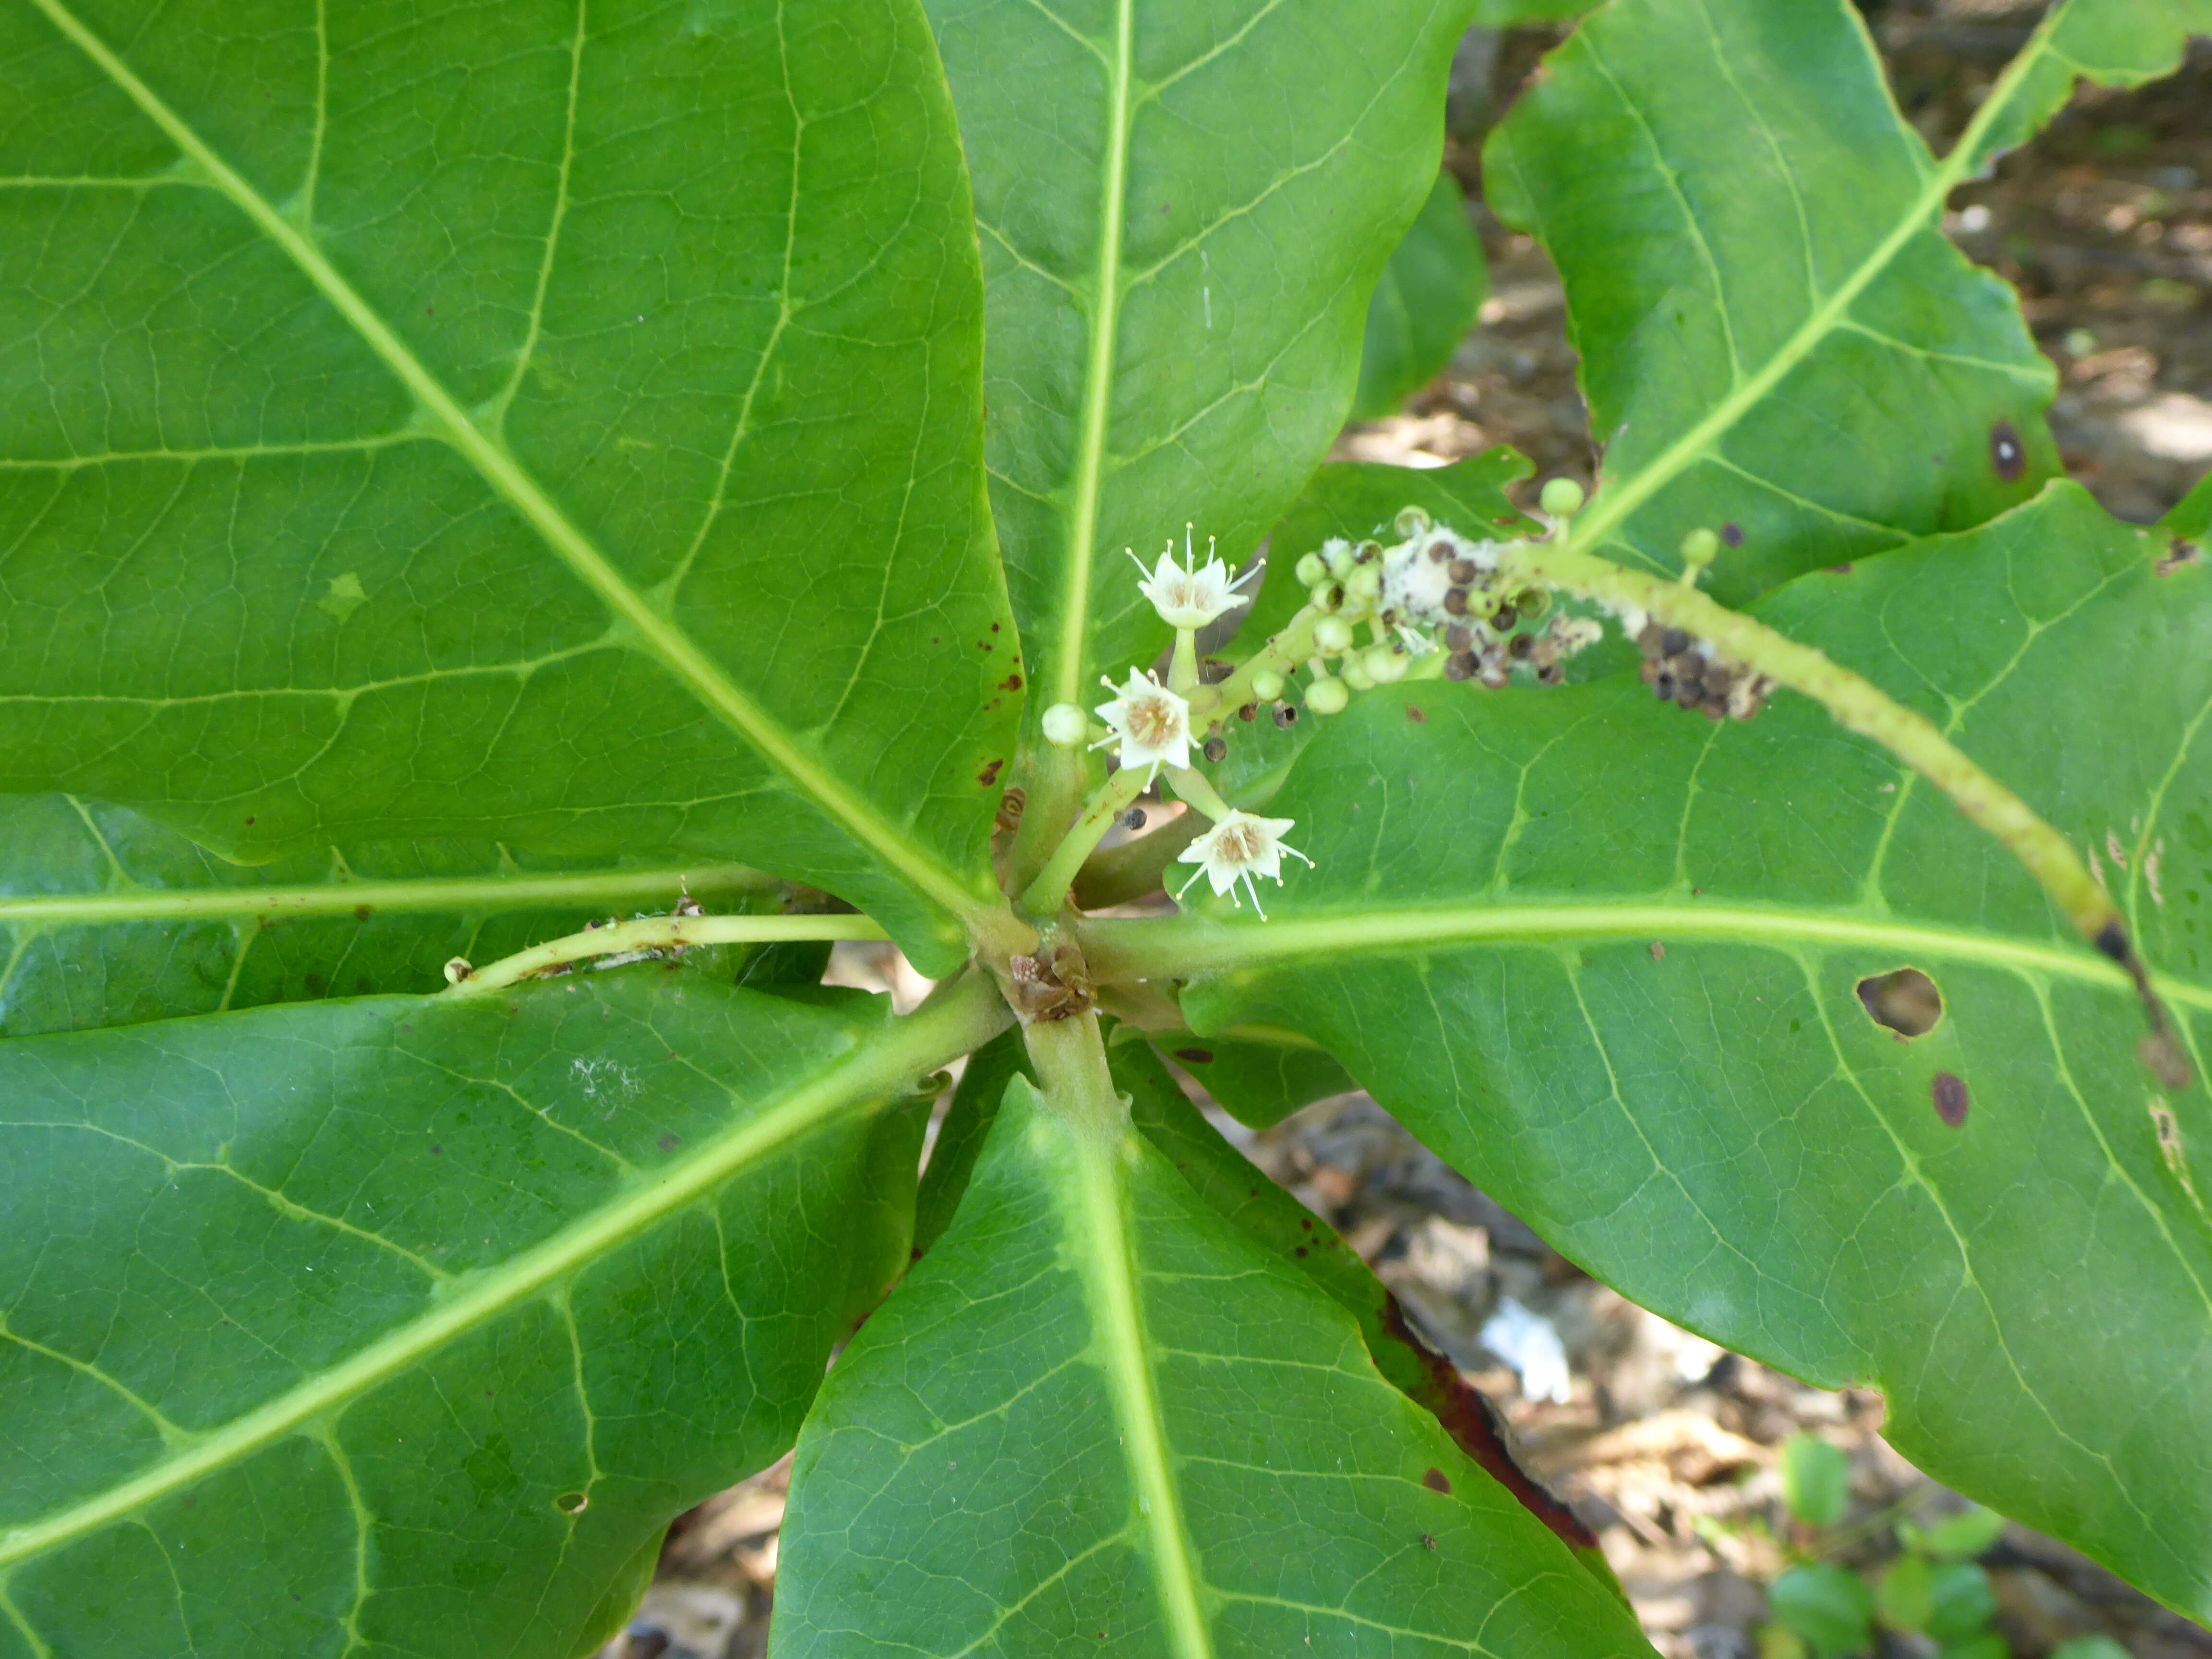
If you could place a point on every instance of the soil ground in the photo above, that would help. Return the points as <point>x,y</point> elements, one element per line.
<point>1667,1443</point>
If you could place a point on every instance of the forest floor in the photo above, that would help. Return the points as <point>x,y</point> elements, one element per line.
<point>1667,1444</point>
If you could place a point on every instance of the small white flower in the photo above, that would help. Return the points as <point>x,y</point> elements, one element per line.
<point>1150,723</point>
<point>1191,595</point>
<point>1238,849</point>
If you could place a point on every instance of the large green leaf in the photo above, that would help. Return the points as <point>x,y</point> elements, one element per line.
<point>1603,956</point>
<point>1097,1415</point>
<point>107,918</point>
<point>554,425</point>
<point>1184,207</point>
<point>1429,296</point>
<point>405,1325</point>
<point>1777,342</point>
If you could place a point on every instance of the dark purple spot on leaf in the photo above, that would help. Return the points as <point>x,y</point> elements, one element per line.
<point>1732,534</point>
<point>1435,1481</point>
<point>2007,455</point>
<point>1950,1096</point>
<point>1195,1056</point>
<point>669,1143</point>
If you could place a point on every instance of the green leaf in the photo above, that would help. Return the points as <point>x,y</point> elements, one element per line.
<point>1604,958</point>
<point>1777,342</point>
<point>1959,1537</point>
<point>1509,14</point>
<point>1428,299</point>
<point>1990,1645</point>
<point>1242,1195</point>
<point>1147,1436</point>
<point>1184,209</point>
<point>2113,43</point>
<point>417,1320</point>
<point>1830,1607</point>
<point>1816,1480</point>
<point>1906,1593</point>
<point>1960,1602</point>
<point>107,918</point>
<point>581,450</point>
<point>2191,518</point>
<point>1257,1079</point>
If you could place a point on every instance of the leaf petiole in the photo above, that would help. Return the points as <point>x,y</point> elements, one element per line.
<point>652,933</point>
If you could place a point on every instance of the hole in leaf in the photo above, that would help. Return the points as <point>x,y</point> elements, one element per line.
<point>573,1503</point>
<point>1905,1001</point>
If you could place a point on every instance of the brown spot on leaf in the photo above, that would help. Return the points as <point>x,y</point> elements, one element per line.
<point>1415,715</point>
<point>1195,1056</point>
<point>1658,952</point>
<point>363,913</point>
<point>669,1143</point>
<point>1949,1095</point>
<point>1436,1481</point>
<point>989,775</point>
<point>2007,454</point>
<point>1011,682</point>
<point>1428,1542</point>
<point>2184,553</point>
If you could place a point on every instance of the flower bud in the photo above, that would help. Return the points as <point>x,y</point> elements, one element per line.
<point>1383,665</point>
<point>1699,547</point>
<point>1356,675</point>
<point>1332,636</point>
<point>1365,581</point>
<point>1338,553</point>
<point>1312,570</point>
<point>1328,696</point>
<point>1266,685</point>
<point>1066,727</point>
<point>1562,498</point>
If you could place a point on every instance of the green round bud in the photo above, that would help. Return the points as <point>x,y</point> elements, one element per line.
<point>1384,665</point>
<point>1356,675</point>
<point>1312,570</point>
<point>1338,555</point>
<point>1066,727</point>
<point>1266,685</point>
<point>1328,696</point>
<point>1412,522</point>
<point>1365,581</point>
<point>1332,636</point>
<point>1700,547</point>
<point>1481,602</point>
<point>1562,498</point>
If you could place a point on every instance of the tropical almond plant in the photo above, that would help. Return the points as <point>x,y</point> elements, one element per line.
<point>519,524</point>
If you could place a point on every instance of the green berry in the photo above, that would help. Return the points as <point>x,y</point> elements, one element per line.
<point>1562,498</point>
<point>1312,570</point>
<point>1328,696</point>
<point>1384,665</point>
<point>1066,727</point>
<point>1356,675</point>
<point>1699,547</point>
<point>1332,636</point>
<point>1266,685</point>
<point>1365,581</point>
<point>1339,555</point>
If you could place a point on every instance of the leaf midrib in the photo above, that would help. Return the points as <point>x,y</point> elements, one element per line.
<point>1098,372</point>
<point>912,1047</point>
<point>661,637</point>
<point>1183,946</point>
<point>1617,499</point>
<point>1106,1260</point>
<point>582,889</point>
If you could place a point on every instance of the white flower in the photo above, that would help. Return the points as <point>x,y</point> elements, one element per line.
<point>1150,723</point>
<point>1238,849</point>
<point>1190,595</point>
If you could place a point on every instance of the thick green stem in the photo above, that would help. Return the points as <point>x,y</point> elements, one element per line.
<point>1192,785</point>
<point>1280,655</point>
<point>1044,896</point>
<point>1069,1058</point>
<point>653,933</point>
<point>1052,781</point>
